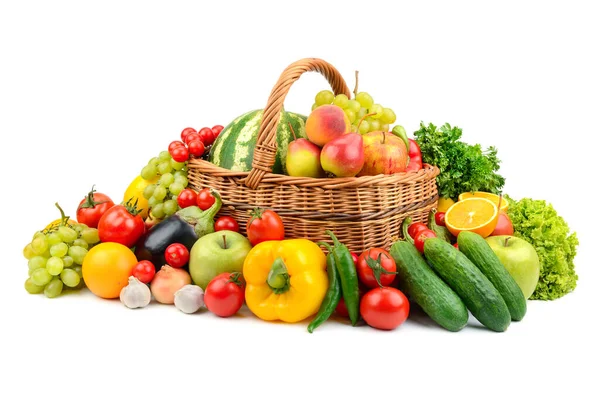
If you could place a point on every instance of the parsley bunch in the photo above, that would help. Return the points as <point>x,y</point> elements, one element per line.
<point>463,167</point>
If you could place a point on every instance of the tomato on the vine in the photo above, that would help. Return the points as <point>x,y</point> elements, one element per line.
<point>191,137</point>
<point>177,255</point>
<point>196,148</point>
<point>173,144</point>
<point>92,207</point>
<point>144,271</point>
<point>384,308</point>
<point>224,294</point>
<point>207,135</point>
<point>205,199</point>
<point>121,224</point>
<point>186,132</point>
<point>376,266</point>
<point>421,237</point>
<point>180,154</point>
<point>186,198</point>
<point>226,223</point>
<point>264,225</point>
<point>416,227</point>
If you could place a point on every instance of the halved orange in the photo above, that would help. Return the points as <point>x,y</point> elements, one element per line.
<point>474,214</point>
<point>486,195</point>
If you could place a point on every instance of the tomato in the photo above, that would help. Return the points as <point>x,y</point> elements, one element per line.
<point>205,199</point>
<point>440,218</point>
<point>456,245</point>
<point>186,132</point>
<point>354,258</point>
<point>92,207</point>
<point>341,308</point>
<point>144,271</point>
<point>177,255</point>
<point>415,227</point>
<point>187,198</point>
<point>384,308</point>
<point>264,225</point>
<point>375,265</point>
<point>207,136</point>
<point>180,154</point>
<point>504,225</point>
<point>106,269</point>
<point>422,236</point>
<point>121,224</point>
<point>216,130</point>
<point>226,223</point>
<point>191,137</point>
<point>224,294</point>
<point>175,143</point>
<point>196,148</point>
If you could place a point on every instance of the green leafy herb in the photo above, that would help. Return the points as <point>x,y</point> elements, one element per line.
<point>463,167</point>
<point>538,223</point>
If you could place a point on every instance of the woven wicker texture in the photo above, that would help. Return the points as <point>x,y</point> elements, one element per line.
<point>363,211</point>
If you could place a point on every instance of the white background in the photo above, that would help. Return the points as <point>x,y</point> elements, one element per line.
<point>88,93</point>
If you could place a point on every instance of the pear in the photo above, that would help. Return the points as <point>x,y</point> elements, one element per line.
<point>343,156</point>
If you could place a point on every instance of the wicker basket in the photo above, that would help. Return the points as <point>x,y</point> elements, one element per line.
<point>362,211</point>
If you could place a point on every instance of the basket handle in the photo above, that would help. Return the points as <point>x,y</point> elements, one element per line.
<point>266,144</point>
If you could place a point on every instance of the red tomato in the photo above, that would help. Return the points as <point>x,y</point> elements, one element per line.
<point>92,207</point>
<point>440,218</point>
<point>196,148</point>
<point>376,266</point>
<point>205,199</point>
<point>186,198</point>
<point>186,132</point>
<point>415,227</point>
<point>504,226</point>
<point>180,154</point>
<point>384,308</point>
<point>207,136</point>
<point>354,258</point>
<point>224,294</point>
<point>175,143</point>
<point>121,224</point>
<point>216,130</point>
<point>421,237</point>
<point>191,137</point>
<point>144,271</point>
<point>341,308</point>
<point>177,255</point>
<point>264,225</point>
<point>226,223</point>
<point>456,245</point>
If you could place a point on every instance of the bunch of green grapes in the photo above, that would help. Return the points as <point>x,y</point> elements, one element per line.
<point>171,179</point>
<point>357,108</point>
<point>55,257</point>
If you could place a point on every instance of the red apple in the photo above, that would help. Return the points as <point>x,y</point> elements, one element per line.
<point>385,153</point>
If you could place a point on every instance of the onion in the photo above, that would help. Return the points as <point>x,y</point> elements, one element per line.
<point>167,281</point>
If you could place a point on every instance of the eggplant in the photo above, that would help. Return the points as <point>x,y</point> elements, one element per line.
<point>185,227</point>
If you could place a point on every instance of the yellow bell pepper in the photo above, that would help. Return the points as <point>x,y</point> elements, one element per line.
<point>285,280</point>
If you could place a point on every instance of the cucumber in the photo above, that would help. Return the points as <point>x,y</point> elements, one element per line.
<point>481,254</point>
<point>425,288</point>
<point>476,291</point>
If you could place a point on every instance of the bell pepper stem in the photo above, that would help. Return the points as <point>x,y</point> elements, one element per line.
<point>278,278</point>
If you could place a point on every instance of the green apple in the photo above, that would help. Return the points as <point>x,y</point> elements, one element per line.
<point>215,253</point>
<point>520,259</point>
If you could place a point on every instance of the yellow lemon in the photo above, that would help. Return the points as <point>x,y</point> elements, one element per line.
<point>444,204</point>
<point>135,192</point>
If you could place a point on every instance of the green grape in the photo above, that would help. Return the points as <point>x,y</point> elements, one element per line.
<point>170,207</point>
<point>55,265</point>
<point>185,169</point>
<point>59,250</point>
<point>164,167</point>
<point>377,109</point>
<point>364,99</point>
<point>54,288</point>
<point>36,262</point>
<point>149,190</point>
<point>341,100</point>
<point>90,235</point>
<point>81,243</point>
<point>361,113</point>
<point>385,127</point>
<point>315,105</point>
<point>154,161</point>
<point>152,201</point>
<point>363,127</point>
<point>164,156</point>
<point>158,211</point>
<point>183,180</point>
<point>353,128</point>
<point>70,277</point>
<point>166,179</point>
<point>67,234</point>
<point>67,261</point>
<point>39,245</point>
<point>160,193</point>
<point>41,277</point>
<point>176,165</point>
<point>174,197</point>
<point>374,125</point>
<point>78,270</point>
<point>38,234</point>
<point>28,251</point>
<point>79,227</point>
<point>179,174</point>
<point>388,116</point>
<point>175,188</point>
<point>148,172</point>
<point>53,238</point>
<point>324,97</point>
<point>32,288</point>
<point>350,114</point>
<point>78,254</point>
<point>353,105</point>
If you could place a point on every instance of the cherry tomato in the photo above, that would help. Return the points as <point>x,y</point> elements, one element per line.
<point>207,136</point>
<point>456,245</point>
<point>144,271</point>
<point>205,199</point>
<point>92,207</point>
<point>226,223</point>
<point>191,137</point>
<point>196,148</point>
<point>224,294</point>
<point>354,258</point>
<point>121,224</point>
<point>177,255</point>
<point>175,143</point>
<point>217,130</point>
<point>384,308</point>
<point>376,264</point>
<point>341,308</point>
<point>421,237</point>
<point>180,154</point>
<point>264,225</point>
<point>186,198</point>
<point>186,132</point>
<point>440,218</point>
<point>415,227</point>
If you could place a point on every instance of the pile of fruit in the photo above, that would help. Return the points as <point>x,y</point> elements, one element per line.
<point>479,252</point>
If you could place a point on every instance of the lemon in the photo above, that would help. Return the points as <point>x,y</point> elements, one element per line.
<point>444,204</point>
<point>135,192</point>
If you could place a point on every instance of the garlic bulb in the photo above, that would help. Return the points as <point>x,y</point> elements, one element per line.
<point>189,299</point>
<point>136,294</point>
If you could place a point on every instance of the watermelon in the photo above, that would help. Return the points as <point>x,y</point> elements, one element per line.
<point>234,147</point>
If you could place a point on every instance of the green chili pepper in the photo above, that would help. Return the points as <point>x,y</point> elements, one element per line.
<point>401,133</point>
<point>333,295</point>
<point>348,277</point>
<point>441,231</point>
<point>405,224</point>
